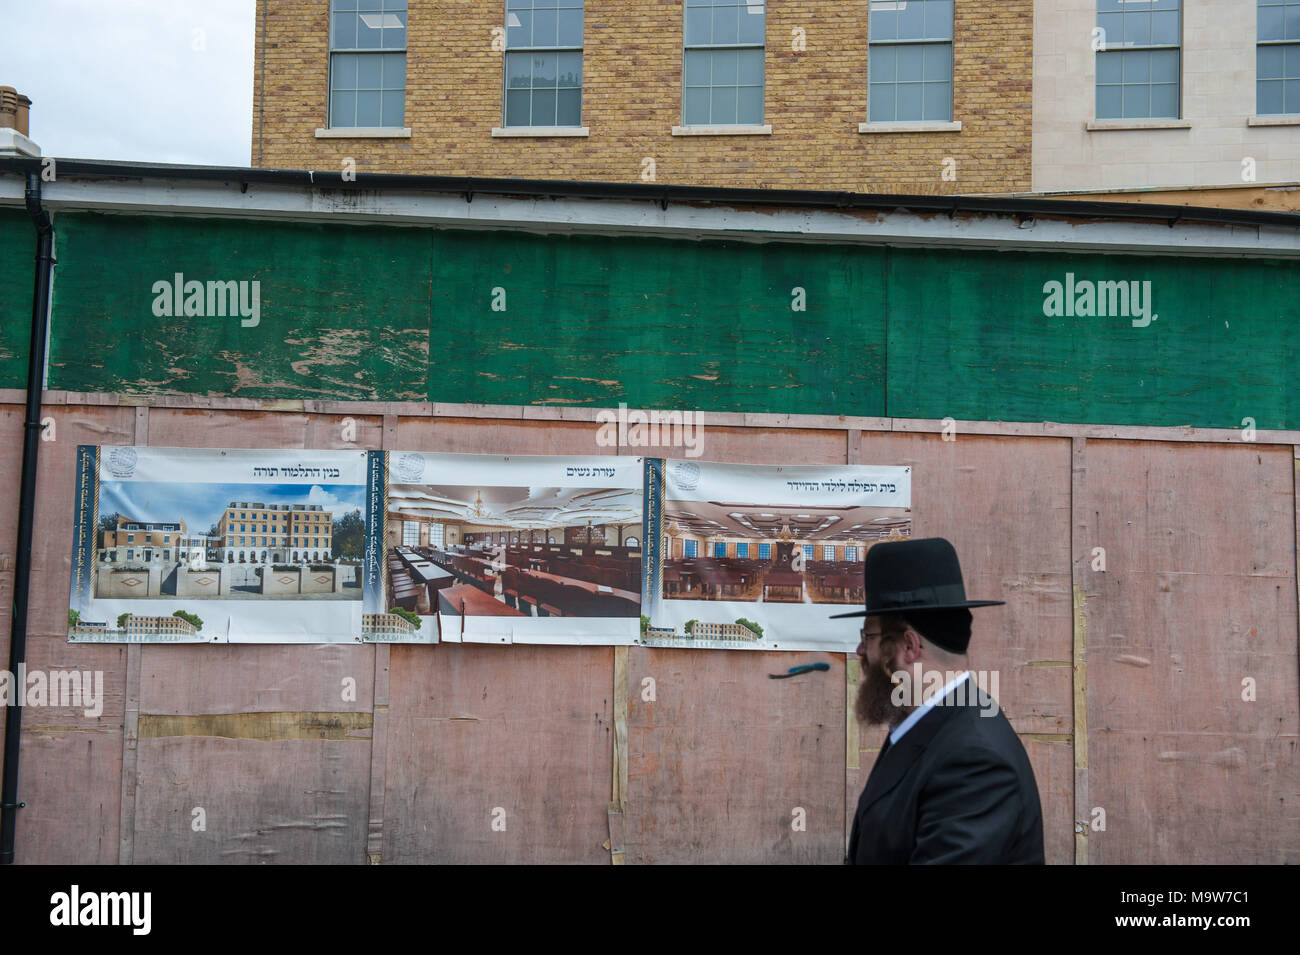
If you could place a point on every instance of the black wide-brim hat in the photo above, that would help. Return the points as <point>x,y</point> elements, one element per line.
<point>913,575</point>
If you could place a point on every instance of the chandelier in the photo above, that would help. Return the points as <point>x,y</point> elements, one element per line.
<point>785,534</point>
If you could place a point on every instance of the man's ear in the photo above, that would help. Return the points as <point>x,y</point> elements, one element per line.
<point>911,646</point>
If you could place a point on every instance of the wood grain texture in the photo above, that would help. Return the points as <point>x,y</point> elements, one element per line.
<point>519,734</point>
<point>287,801</point>
<point>723,759</point>
<point>1199,594</point>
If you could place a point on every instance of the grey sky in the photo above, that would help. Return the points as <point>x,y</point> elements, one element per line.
<point>144,80</point>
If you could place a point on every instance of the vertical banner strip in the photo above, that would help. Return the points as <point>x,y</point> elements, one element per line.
<point>83,531</point>
<point>372,598</point>
<point>653,559</point>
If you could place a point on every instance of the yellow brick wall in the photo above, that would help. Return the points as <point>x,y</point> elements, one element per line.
<point>632,64</point>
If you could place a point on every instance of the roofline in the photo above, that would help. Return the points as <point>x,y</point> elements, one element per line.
<point>1017,205</point>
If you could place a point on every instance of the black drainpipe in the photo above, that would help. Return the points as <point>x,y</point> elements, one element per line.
<point>9,804</point>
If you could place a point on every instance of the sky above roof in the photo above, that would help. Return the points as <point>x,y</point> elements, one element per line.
<point>139,80</point>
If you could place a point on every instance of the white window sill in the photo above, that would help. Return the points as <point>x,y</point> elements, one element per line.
<point>921,127</point>
<point>1278,119</point>
<point>722,130</point>
<point>541,131</point>
<point>364,132</point>
<point>1099,125</point>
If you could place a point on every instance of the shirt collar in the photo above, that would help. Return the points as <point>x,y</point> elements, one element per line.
<point>915,716</point>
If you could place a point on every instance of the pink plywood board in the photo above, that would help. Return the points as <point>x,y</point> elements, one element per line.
<point>1199,593</point>
<point>298,801</point>
<point>477,729</point>
<point>724,761</point>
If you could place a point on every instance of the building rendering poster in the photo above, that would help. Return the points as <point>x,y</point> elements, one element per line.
<point>535,549</point>
<point>179,545</point>
<point>759,558</point>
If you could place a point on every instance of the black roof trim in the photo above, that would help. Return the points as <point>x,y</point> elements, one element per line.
<point>662,194</point>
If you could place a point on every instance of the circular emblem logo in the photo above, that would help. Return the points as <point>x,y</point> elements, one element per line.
<point>121,462</point>
<point>409,468</point>
<point>686,476</point>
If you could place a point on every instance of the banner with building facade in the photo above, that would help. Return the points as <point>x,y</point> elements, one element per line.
<point>186,545</point>
<point>538,549</point>
<point>759,558</point>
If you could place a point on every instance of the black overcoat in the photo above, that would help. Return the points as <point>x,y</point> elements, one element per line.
<point>958,788</point>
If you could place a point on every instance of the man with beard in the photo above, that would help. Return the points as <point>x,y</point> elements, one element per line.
<point>952,782</point>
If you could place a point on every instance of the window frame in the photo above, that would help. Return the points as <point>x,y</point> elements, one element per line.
<point>581,50</point>
<point>331,51</point>
<point>1148,47</point>
<point>895,43</point>
<point>711,47</point>
<point>1283,43</point>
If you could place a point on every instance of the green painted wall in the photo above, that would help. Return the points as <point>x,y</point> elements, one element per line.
<point>968,339</point>
<point>707,326</point>
<point>17,262</point>
<point>344,311</point>
<point>401,313</point>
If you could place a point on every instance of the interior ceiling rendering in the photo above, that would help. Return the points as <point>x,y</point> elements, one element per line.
<point>712,518</point>
<point>516,507</point>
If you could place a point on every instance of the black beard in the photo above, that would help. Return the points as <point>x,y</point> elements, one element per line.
<point>873,704</point>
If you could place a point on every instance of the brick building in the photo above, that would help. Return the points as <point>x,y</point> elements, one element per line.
<point>703,630</point>
<point>700,92</point>
<point>149,542</point>
<point>258,533</point>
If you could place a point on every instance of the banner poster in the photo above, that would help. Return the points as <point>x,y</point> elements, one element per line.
<point>759,558</point>
<point>187,545</point>
<point>535,549</point>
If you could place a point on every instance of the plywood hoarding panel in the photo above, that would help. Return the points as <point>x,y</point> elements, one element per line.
<point>519,736</point>
<point>1198,597</point>
<point>728,766</point>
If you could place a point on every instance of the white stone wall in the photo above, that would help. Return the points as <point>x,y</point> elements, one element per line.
<point>1218,100</point>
